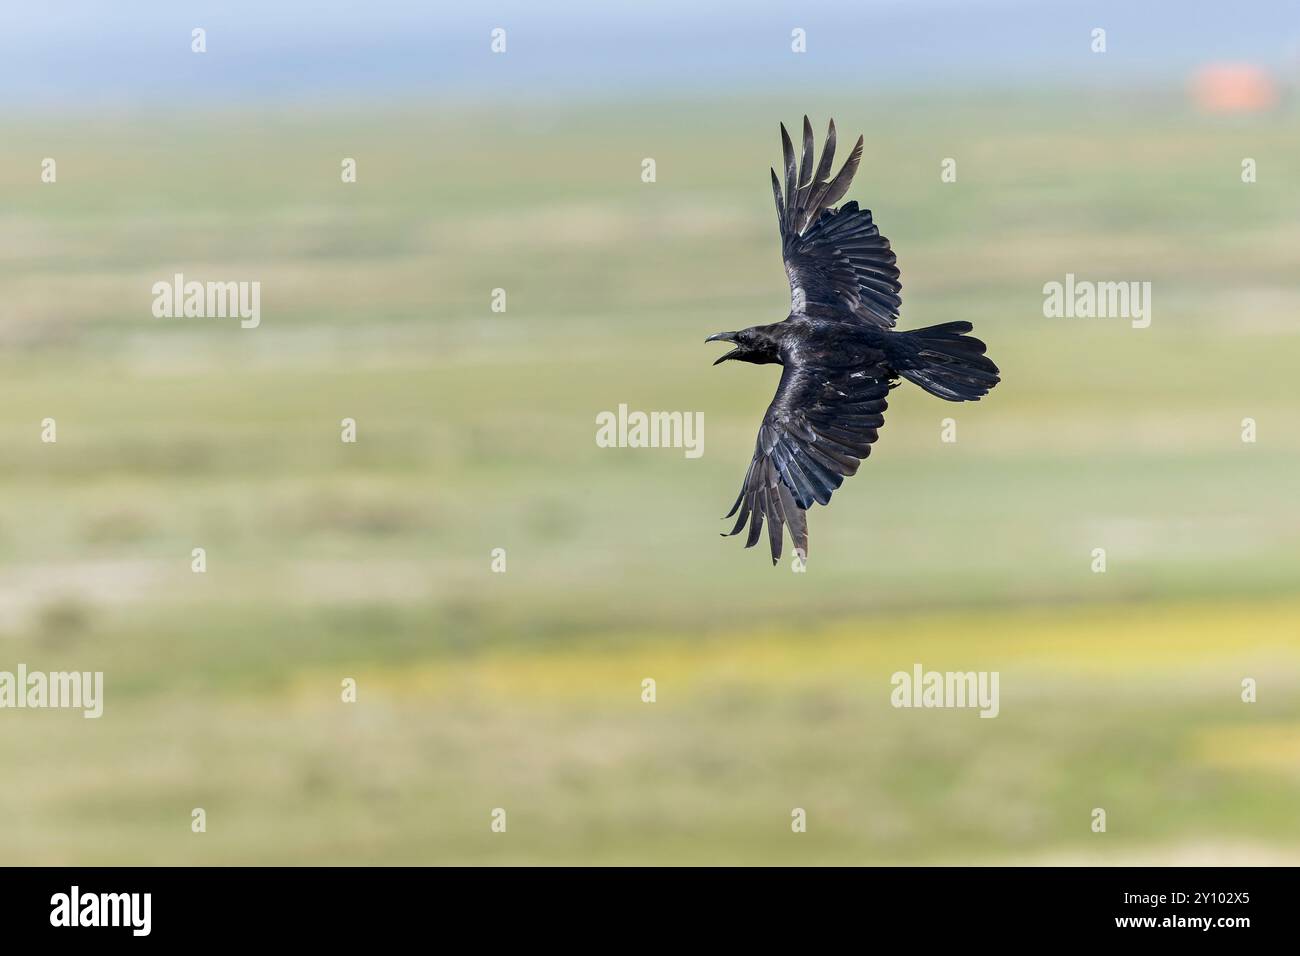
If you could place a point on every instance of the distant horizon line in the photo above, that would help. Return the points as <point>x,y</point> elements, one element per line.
<point>515,101</point>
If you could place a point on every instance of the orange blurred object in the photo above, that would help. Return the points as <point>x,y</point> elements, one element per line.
<point>1234,88</point>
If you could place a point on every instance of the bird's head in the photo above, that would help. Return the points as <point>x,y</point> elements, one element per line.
<point>751,346</point>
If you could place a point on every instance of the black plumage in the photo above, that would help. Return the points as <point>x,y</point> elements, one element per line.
<point>839,354</point>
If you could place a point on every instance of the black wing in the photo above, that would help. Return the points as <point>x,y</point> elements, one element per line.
<point>818,428</point>
<point>835,258</point>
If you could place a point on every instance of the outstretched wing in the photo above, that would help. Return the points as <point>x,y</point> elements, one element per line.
<point>835,258</point>
<point>820,425</point>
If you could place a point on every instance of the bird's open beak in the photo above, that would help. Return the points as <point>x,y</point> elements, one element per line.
<point>723,337</point>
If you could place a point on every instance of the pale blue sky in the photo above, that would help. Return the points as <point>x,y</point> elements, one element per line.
<point>77,52</point>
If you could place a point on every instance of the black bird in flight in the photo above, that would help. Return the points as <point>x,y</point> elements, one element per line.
<point>838,353</point>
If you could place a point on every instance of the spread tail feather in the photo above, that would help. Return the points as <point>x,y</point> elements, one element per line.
<point>946,362</point>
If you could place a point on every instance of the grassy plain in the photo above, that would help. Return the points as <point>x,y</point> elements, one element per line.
<point>476,431</point>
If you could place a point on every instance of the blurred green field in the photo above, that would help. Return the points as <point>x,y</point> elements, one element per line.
<point>476,431</point>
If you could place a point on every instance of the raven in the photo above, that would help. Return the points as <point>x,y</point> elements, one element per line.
<point>838,353</point>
